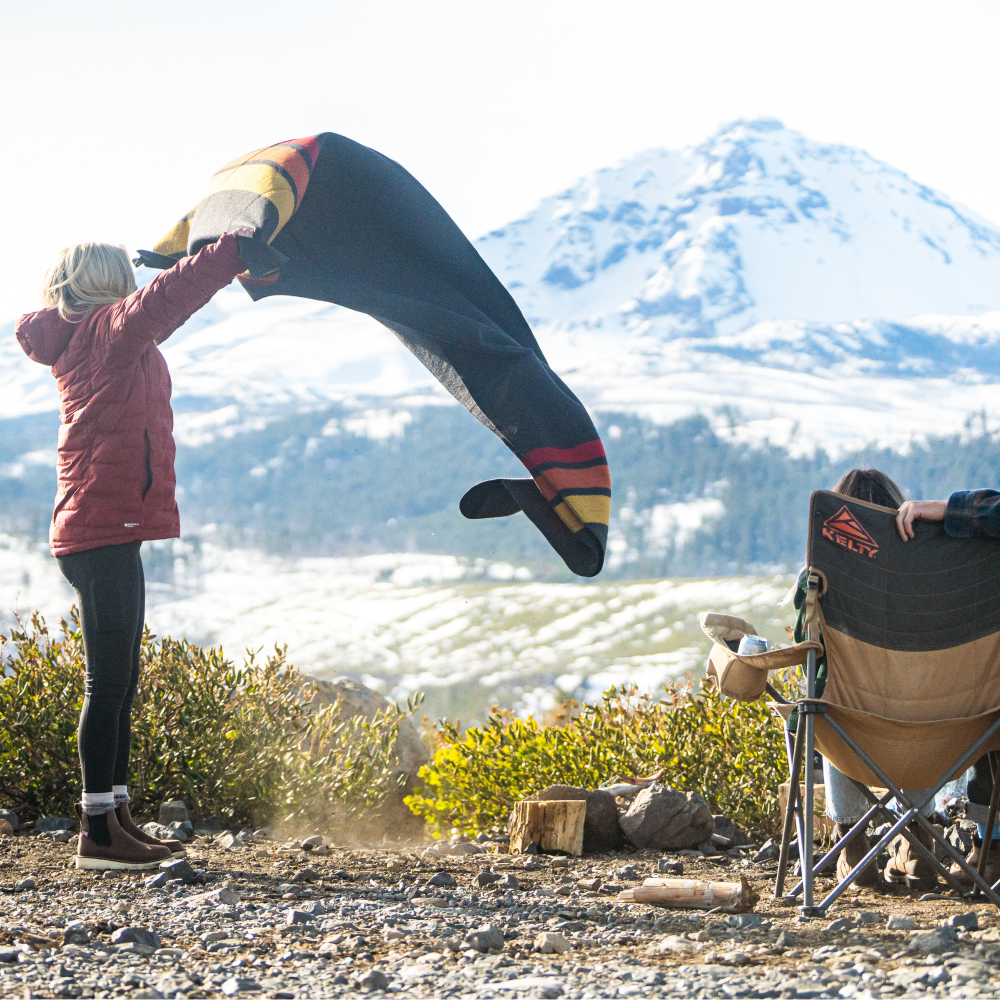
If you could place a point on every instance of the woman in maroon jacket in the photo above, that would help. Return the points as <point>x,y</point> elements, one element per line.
<point>116,490</point>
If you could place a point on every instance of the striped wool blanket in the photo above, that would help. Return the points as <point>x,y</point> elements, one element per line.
<point>337,221</point>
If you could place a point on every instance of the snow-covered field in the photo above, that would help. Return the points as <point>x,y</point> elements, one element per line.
<point>467,635</point>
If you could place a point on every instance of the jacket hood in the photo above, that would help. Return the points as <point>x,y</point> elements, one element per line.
<point>44,335</point>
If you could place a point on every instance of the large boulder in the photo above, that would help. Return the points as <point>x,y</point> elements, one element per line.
<point>601,830</point>
<point>666,819</point>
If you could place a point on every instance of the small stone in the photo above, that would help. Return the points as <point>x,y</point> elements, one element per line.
<point>938,940</point>
<point>75,932</point>
<point>158,830</point>
<point>626,872</point>
<point>589,884</point>
<point>25,884</point>
<point>210,937</point>
<point>734,958</point>
<point>49,824</point>
<point>311,843</point>
<point>6,830</point>
<point>550,943</point>
<point>486,939</point>
<point>8,955</point>
<point>745,921</point>
<point>234,985</point>
<point>665,818</point>
<point>725,827</point>
<point>900,922</point>
<point>485,878</point>
<point>179,831</point>
<point>964,921</point>
<point>226,841</point>
<point>509,881</point>
<point>9,816</point>
<point>667,867</point>
<point>867,917</point>
<point>173,811</point>
<point>394,865</point>
<point>839,926</point>
<point>297,917</point>
<point>373,980</point>
<point>306,875</point>
<point>179,869</point>
<point>136,935</point>
<point>62,836</point>
<point>769,852</point>
<point>443,880</point>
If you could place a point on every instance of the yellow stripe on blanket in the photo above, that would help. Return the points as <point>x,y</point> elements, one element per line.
<point>259,179</point>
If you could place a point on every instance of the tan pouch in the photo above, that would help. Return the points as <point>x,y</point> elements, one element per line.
<point>745,677</point>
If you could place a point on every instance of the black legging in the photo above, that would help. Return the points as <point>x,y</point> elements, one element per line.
<point>111,595</point>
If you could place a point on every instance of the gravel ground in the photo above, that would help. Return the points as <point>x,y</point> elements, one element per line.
<point>271,919</point>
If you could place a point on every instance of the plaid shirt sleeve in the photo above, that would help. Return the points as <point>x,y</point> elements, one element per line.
<point>973,514</point>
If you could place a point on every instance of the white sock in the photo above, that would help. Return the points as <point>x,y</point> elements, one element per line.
<point>96,803</point>
<point>121,794</point>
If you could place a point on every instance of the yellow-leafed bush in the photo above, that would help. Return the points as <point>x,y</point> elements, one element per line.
<point>241,742</point>
<point>729,752</point>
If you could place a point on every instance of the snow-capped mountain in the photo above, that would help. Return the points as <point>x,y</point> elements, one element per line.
<point>759,273</point>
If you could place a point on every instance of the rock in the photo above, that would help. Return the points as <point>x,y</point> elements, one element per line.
<point>937,940</point>
<point>725,827</point>
<point>209,826</point>
<point>964,921</point>
<point>136,935</point>
<point>671,942</point>
<point>180,831</point>
<point>734,958</point>
<point>298,917</point>
<point>8,955</point>
<point>61,836</point>
<point>899,922</point>
<point>373,979</point>
<point>6,830</point>
<point>745,921</point>
<point>159,831</point>
<point>839,926</point>
<point>226,840</point>
<point>486,939</point>
<point>173,811</point>
<point>722,843</point>
<point>10,817</point>
<point>626,872</point>
<point>663,818</point>
<point>548,987</point>
<point>306,875</point>
<point>509,881</point>
<point>443,880</point>
<point>49,824</point>
<point>75,932</point>
<point>769,851</point>
<point>667,867</point>
<point>550,943</point>
<point>601,829</point>
<point>234,985</point>
<point>589,884</point>
<point>867,917</point>
<point>311,843</point>
<point>25,884</point>
<point>179,869</point>
<point>485,878</point>
<point>157,881</point>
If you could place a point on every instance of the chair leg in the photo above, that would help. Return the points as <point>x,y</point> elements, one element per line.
<point>793,794</point>
<point>991,820</point>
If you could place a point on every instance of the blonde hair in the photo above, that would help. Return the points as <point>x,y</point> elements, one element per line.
<point>87,275</point>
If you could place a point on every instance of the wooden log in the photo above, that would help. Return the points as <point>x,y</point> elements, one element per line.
<point>556,825</point>
<point>690,894</point>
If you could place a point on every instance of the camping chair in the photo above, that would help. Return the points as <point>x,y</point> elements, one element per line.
<point>912,699</point>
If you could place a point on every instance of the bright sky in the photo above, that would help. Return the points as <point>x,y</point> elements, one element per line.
<point>115,114</point>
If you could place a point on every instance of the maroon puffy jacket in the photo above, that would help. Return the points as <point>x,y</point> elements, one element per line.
<point>116,442</point>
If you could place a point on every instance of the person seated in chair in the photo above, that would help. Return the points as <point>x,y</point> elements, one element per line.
<point>966,514</point>
<point>845,803</point>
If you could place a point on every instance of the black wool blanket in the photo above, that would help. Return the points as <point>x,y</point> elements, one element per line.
<point>336,221</point>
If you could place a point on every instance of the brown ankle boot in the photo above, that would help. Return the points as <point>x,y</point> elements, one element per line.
<point>908,867</point>
<point>852,854</point>
<point>175,847</point>
<point>992,865</point>
<point>123,851</point>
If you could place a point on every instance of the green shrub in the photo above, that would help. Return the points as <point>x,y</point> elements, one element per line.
<point>730,752</point>
<point>237,741</point>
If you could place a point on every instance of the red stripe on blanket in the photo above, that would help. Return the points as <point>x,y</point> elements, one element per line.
<point>581,453</point>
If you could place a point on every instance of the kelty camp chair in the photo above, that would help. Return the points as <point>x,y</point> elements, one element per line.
<point>912,699</point>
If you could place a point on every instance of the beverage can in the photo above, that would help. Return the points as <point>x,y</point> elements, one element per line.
<point>751,644</point>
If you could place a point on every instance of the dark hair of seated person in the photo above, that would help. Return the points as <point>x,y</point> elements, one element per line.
<point>872,486</point>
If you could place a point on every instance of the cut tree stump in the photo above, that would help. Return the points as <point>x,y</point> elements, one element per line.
<point>689,894</point>
<point>556,825</point>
